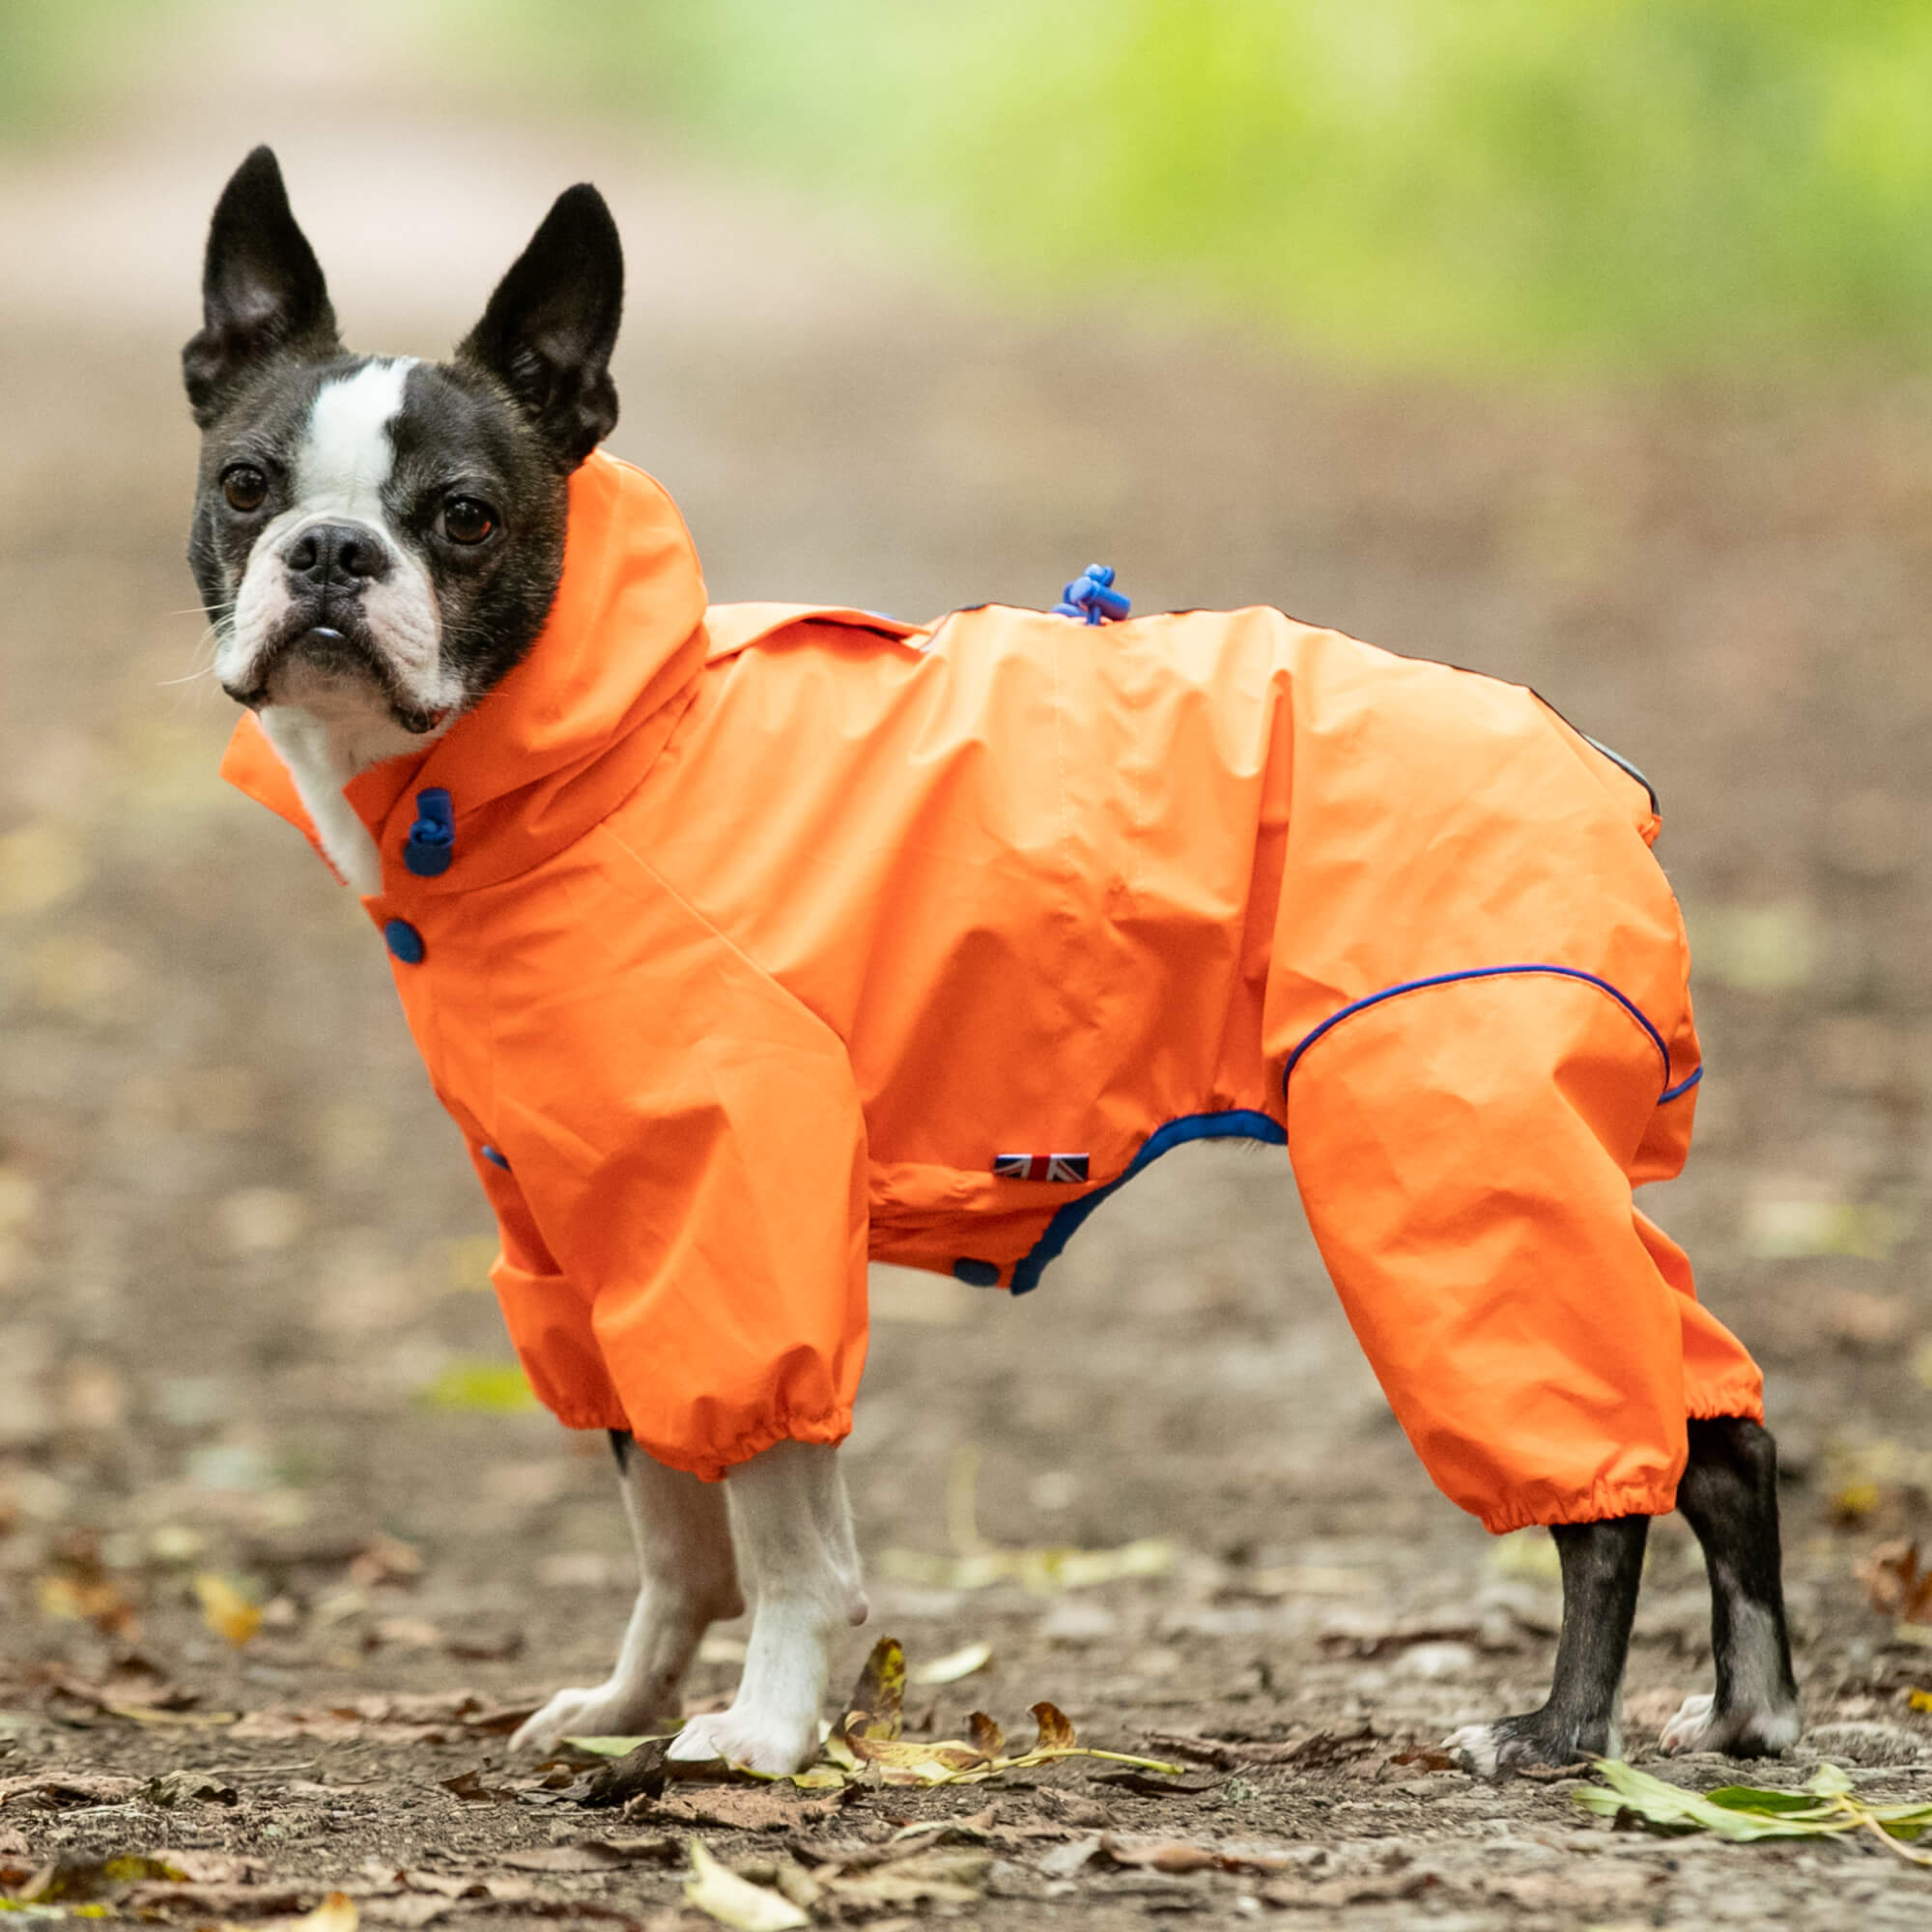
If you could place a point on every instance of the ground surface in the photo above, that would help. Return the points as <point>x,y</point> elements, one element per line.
<point>240,1331</point>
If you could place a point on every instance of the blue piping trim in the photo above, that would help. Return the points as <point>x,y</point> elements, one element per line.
<point>1238,1123</point>
<point>1682,1088</point>
<point>494,1159</point>
<point>1623,1000</point>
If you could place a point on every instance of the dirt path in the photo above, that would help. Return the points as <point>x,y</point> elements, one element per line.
<point>240,1254</point>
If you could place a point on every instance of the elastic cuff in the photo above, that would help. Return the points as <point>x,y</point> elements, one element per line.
<point>827,1430</point>
<point>1743,1400</point>
<point>1602,1505</point>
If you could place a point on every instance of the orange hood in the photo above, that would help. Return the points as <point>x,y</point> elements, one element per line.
<point>575,727</point>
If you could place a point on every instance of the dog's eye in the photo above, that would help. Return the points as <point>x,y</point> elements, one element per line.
<point>468,520</point>
<point>246,487</point>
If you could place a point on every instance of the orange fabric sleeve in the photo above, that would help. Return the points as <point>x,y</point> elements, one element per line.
<point>702,1186</point>
<point>1464,1152</point>
<point>548,1316</point>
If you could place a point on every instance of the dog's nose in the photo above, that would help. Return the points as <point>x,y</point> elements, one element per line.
<point>341,557</point>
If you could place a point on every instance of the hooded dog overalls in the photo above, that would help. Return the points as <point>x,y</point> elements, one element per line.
<point>745,942</point>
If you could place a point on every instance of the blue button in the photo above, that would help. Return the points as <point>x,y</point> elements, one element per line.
<point>494,1159</point>
<point>405,941</point>
<point>978,1274</point>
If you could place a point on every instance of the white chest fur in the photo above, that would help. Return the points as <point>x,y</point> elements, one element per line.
<point>325,741</point>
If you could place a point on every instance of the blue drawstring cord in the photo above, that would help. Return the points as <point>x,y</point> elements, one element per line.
<point>432,841</point>
<point>1093,598</point>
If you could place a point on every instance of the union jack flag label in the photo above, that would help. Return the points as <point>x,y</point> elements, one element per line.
<point>1039,1166</point>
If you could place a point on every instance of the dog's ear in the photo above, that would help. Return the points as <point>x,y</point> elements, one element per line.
<point>548,331</point>
<point>262,290</point>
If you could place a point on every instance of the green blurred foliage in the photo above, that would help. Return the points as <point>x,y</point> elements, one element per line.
<point>65,59</point>
<point>1622,183</point>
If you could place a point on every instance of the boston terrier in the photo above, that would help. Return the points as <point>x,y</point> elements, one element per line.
<point>378,542</point>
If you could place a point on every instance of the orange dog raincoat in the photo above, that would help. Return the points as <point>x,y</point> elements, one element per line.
<point>746,942</point>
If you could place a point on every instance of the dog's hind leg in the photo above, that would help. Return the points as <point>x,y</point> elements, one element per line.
<point>792,1527</point>
<point>687,1580</point>
<point>1603,1563</point>
<point>1730,1496</point>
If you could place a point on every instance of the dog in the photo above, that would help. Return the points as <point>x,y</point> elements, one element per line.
<point>743,943</point>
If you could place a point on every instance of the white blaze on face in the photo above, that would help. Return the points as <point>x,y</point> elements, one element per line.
<point>340,470</point>
<point>347,452</point>
<point>328,725</point>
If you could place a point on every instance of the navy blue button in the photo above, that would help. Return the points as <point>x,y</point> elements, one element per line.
<point>978,1274</point>
<point>432,841</point>
<point>494,1159</point>
<point>405,941</point>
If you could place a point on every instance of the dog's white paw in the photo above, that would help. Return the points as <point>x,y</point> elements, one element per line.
<point>1698,1727</point>
<point>761,1741</point>
<point>599,1711</point>
<point>1686,1730</point>
<point>1475,1747</point>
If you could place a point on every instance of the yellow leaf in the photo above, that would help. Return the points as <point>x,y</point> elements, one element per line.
<point>40,866</point>
<point>955,1665</point>
<point>988,1739</point>
<point>928,1761</point>
<point>480,1387</point>
<point>735,1902</point>
<point>878,1699</point>
<point>1056,1729</point>
<point>1920,1700</point>
<point>227,1613</point>
<point>335,1914</point>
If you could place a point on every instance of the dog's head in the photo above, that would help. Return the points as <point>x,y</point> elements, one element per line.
<point>379,539</point>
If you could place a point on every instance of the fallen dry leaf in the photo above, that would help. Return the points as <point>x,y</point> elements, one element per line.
<point>385,1559</point>
<point>401,1717</point>
<point>718,1892</point>
<point>955,1665</point>
<point>948,1875</point>
<point>876,1707</point>
<point>189,1787</point>
<point>335,1914</point>
<point>590,1855</point>
<point>744,1808</point>
<point>76,1877</point>
<point>225,1610</point>
<point>1177,1857</point>
<point>872,1737</point>
<point>1896,1584</point>
<point>468,1785</point>
<point>79,1589</point>
<point>60,1791</point>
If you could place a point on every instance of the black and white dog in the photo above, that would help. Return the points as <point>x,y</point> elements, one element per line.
<point>378,540</point>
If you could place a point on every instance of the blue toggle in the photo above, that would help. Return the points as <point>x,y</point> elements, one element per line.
<point>1093,598</point>
<point>432,841</point>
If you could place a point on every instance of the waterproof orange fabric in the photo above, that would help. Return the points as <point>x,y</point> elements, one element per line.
<point>768,931</point>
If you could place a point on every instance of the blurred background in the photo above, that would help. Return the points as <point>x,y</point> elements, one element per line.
<point>1587,345</point>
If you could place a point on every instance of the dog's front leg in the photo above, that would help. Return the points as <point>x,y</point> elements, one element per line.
<point>686,1578</point>
<point>792,1529</point>
<point>1603,1563</point>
